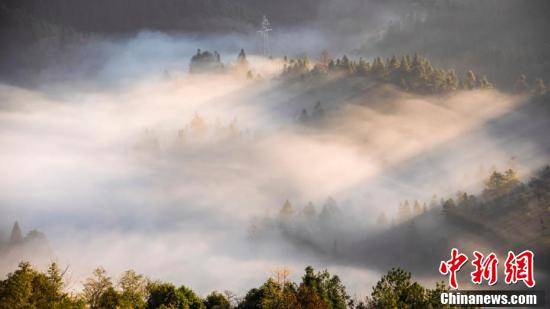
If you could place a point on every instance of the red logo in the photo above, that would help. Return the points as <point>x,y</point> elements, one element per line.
<point>452,266</point>
<point>485,268</point>
<point>520,268</point>
<point>517,268</point>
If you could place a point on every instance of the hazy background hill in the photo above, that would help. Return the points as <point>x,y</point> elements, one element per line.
<point>500,39</point>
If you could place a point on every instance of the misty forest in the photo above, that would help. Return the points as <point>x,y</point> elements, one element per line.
<point>268,154</point>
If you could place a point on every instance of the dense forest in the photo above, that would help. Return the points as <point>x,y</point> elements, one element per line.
<point>500,39</point>
<point>410,73</point>
<point>507,214</point>
<point>30,288</point>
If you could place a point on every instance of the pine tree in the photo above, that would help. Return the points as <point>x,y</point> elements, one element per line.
<point>331,65</point>
<point>451,81</point>
<point>378,68</point>
<point>470,81</point>
<point>241,57</point>
<point>437,81</point>
<point>287,211</point>
<point>16,236</point>
<point>309,211</point>
<point>484,83</point>
<point>404,211</point>
<point>242,62</point>
<point>419,76</point>
<point>393,64</point>
<point>393,69</point>
<point>345,64</point>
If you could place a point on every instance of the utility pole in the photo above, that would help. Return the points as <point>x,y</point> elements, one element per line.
<point>264,34</point>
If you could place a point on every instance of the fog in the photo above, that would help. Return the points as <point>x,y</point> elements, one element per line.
<point>107,158</point>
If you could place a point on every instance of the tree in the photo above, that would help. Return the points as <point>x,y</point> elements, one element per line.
<point>16,291</point>
<point>404,211</point>
<point>252,300</point>
<point>470,81</point>
<point>242,64</point>
<point>279,296</point>
<point>271,295</point>
<point>309,211</point>
<point>241,58</point>
<point>330,211</point>
<point>328,288</point>
<point>134,290</point>
<point>16,237</point>
<point>193,300</point>
<point>405,68</point>
<point>109,299</point>
<point>345,64</point>
<point>449,206</point>
<point>393,69</point>
<point>216,300</point>
<point>96,286</point>
<point>310,299</point>
<point>378,68</point>
<point>28,288</point>
<point>396,290</point>
<point>50,290</point>
<point>437,81</point>
<point>451,81</point>
<point>164,294</point>
<point>205,61</point>
<point>393,64</point>
<point>286,212</point>
<point>498,183</point>
<point>419,74</point>
<point>484,83</point>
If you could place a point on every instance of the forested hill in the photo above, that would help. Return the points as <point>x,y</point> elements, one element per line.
<point>35,34</point>
<point>507,215</point>
<point>500,39</point>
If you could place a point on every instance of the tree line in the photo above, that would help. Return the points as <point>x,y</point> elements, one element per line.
<point>413,73</point>
<point>502,39</point>
<point>27,287</point>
